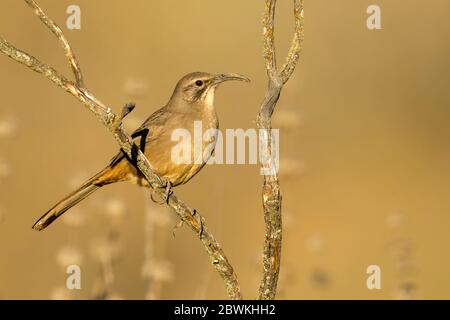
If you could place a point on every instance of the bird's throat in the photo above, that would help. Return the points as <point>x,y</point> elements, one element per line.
<point>209,97</point>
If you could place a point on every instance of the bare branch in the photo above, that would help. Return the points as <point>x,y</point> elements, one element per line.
<point>35,65</point>
<point>113,123</point>
<point>296,47</point>
<point>62,39</point>
<point>269,39</point>
<point>271,194</point>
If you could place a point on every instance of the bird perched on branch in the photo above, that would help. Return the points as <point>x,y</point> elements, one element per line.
<point>191,101</point>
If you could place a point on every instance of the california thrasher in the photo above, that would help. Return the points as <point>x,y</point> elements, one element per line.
<point>192,100</point>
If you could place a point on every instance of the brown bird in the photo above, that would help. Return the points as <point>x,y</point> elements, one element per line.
<point>191,101</point>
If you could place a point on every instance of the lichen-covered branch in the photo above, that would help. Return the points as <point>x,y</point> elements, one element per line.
<point>62,39</point>
<point>297,41</point>
<point>114,124</point>
<point>271,194</point>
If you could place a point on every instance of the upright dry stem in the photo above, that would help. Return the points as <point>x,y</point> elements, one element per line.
<point>271,194</point>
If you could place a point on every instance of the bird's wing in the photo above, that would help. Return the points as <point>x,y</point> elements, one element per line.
<point>149,130</point>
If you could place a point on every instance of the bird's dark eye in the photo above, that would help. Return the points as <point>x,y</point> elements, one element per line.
<point>199,83</point>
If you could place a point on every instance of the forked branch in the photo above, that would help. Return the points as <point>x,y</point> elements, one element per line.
<point>271,194</point>
<point>62,39</point>
<point>113,123</point>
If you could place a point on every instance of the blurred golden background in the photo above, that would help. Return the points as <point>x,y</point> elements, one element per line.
<point>365,151</point>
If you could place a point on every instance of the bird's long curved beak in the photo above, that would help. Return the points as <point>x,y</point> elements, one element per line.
<point>230,76</point>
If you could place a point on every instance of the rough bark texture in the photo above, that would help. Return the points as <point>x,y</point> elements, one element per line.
<point>271,194</point>
<point>114,124</point>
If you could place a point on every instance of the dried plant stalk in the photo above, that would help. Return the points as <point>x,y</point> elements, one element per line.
<point>114,124</point>
<point>271,194</point>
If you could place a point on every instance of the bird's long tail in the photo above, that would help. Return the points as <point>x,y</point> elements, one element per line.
<point>72,199</point>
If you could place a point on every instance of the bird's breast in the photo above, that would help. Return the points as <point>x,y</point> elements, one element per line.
<point>179,148</point>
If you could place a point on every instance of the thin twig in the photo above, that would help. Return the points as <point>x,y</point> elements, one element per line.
<point>109,120</point>
<point>296,46</point>
<point>271,194</point>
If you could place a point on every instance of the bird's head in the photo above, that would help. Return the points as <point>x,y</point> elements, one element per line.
<point>200,87</point>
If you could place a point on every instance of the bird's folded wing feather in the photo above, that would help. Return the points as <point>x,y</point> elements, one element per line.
<point>153,126</point>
